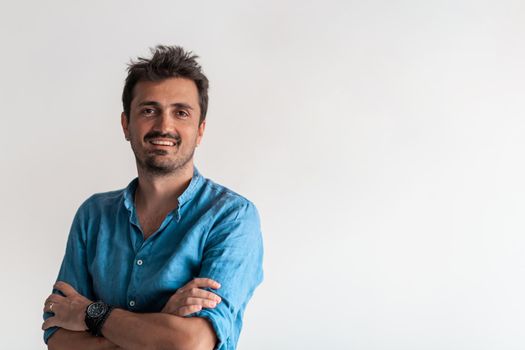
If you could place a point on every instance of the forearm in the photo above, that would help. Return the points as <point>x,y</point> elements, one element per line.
<point>157,331</point>
<point>67,340</point>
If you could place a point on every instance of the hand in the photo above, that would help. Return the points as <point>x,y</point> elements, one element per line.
<point>69,310</point>
<point>190,298</point>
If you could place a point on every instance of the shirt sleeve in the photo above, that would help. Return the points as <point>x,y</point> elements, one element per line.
<point>74,265</point>
<point>233,257</point>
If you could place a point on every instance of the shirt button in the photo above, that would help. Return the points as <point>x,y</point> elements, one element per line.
<point>132,303</point>
<point>139,262</point>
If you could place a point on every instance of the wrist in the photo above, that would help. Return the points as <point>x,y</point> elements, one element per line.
<point>82,317</point>
<point>95,316</point>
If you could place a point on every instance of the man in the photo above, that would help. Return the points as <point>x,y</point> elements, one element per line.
<point>170,261</point>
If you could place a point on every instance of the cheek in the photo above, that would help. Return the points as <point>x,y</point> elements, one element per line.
<point>136,131</point>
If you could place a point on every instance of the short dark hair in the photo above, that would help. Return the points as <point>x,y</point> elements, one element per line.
<point>166,62</point>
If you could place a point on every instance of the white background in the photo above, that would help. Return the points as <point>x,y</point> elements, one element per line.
<point>382,141</point>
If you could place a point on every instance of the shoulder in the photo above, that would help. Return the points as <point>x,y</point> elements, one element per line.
<point>96,209</point>
<point>233,219</point>
<point>103,202</point>
<point>103,199</point>
<point>227,203</point>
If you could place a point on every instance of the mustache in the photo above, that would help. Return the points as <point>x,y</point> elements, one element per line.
<point>157,134</point>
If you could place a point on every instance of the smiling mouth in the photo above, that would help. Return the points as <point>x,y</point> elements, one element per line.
<point>162,143</point>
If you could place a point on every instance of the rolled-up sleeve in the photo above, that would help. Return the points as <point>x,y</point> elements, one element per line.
<point>74,267</point>
<point>233,256</point>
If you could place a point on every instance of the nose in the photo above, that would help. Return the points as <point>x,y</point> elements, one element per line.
<point>164,123</point>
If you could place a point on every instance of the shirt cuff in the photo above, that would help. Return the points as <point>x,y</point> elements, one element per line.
<point>220,331</point>
<point>49,332</point>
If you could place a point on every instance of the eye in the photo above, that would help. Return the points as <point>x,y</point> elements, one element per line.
<point>148,112</point>
<point>182,114</point>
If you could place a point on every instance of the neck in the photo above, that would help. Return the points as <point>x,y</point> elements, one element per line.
<point>156,192</point>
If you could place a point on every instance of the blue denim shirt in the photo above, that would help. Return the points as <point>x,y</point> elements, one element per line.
<point>213,233</point>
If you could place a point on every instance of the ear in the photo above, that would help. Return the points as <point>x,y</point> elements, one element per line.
<point>202,126</point>
<point>124,122</point>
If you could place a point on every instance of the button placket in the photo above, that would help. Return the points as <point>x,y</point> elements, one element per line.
<point>134,281</point>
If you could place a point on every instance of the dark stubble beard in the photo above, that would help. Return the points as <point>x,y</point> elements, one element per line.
<point>153,167</point>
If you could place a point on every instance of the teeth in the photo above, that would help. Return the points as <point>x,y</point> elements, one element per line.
<point>162,143</point>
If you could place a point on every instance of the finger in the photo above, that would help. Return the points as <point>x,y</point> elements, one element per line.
<point>206,282</point>
<point>65,288</point>
<point>53,298</point>
<point>201,283</point>
<point>50,322</point>
<point>198,301</point>
<point>204,294</point>
<point>188,310</point>
<point>51,306</point>
<point>48,307</point>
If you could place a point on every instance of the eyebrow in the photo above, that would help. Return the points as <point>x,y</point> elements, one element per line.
<point>156,104</point>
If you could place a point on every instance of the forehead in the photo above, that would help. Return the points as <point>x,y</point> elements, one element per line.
<point>167,91</point>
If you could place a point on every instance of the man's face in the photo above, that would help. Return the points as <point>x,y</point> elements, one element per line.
<point>163,125</point>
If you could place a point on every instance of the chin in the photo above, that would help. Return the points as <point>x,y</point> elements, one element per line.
<point>160,167</point>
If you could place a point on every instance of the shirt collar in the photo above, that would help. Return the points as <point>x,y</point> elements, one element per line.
<point>189,192</point>
<point>195,184</point>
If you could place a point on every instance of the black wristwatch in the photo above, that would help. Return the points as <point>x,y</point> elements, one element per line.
<point>96,314</point>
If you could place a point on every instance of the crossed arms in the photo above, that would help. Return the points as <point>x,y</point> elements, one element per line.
<point>168,329</point>
<point>232,255</point>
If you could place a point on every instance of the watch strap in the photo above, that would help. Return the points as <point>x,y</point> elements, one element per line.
<point>95,324</point>
<point>100,322</point>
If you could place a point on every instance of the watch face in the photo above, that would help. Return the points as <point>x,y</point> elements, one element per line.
<point>96,309</point>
